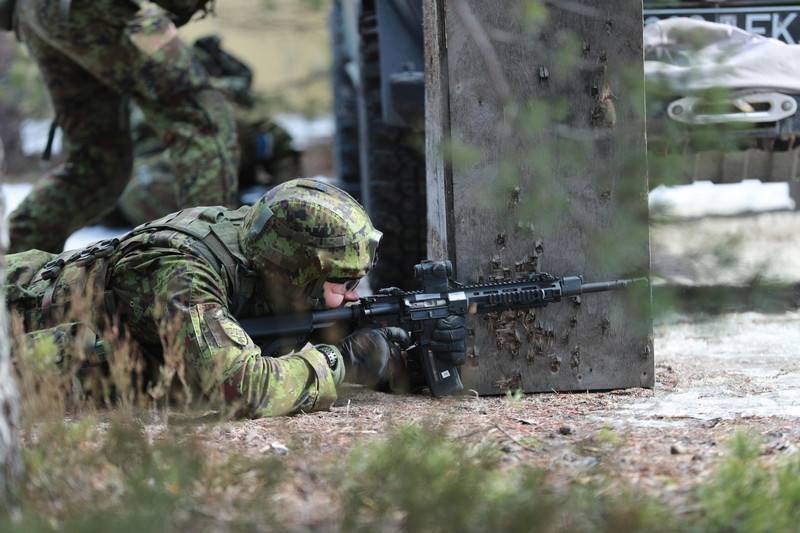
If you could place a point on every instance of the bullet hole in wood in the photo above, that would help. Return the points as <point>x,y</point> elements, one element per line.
<point>555,364</point>
<point>472,356</point>
<point>605,325</point>
<point>544,73</point>
<point>646,352</point>
<point>500,241</point>
<point>575,358</point>
<point>506,334</point>
<point>508,383</point>
<point>527,265</point>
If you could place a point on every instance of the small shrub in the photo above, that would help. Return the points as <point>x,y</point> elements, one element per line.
<point>745,495</point>
<point>421,480</point>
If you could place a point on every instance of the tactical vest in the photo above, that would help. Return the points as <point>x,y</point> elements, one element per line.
<point>214,236</point>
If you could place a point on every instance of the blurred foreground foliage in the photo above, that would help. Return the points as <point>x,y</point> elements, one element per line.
<point>92,475</point>
<point>117,473</point>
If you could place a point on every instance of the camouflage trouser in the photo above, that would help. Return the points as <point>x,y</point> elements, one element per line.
<point>93,58</point>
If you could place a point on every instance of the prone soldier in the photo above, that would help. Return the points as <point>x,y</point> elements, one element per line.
<point>184,281</point>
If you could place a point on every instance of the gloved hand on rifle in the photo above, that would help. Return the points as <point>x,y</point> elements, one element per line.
<point>448,341</point>
<point>369,354</point>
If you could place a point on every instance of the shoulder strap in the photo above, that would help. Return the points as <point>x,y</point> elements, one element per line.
<point>231,261</point>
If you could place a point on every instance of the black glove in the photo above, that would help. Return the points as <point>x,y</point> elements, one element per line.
<point>448,342</point>
<point>367,354</point>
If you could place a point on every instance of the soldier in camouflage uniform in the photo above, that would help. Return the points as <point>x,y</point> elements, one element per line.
<point>94,57</point>
<point>267,154</point>
<point>181,282</point>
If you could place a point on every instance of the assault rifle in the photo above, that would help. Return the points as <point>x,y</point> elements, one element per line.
<point>418,311</point>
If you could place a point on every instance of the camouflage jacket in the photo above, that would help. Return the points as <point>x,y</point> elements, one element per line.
<point>178,285</point>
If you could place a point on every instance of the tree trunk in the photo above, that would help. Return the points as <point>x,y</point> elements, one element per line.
<point>10,456</point>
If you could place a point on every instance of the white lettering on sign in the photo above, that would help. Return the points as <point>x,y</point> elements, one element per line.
<point>780,29</point>
<point>751,19</point>
<point>729,20</point>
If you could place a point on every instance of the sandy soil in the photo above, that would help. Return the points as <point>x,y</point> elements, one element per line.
<point>715,376</point>
<point>730,250</point>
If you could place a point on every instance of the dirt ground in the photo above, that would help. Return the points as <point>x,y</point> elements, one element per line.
<point>715,375</point>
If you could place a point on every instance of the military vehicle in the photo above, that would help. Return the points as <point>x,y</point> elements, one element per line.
<point>378,80</point>
<point>379,97</point>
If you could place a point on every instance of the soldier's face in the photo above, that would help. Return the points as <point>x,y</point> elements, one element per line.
<point>338,294</point>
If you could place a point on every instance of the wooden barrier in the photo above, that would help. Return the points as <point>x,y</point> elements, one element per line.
<point>566,194</point>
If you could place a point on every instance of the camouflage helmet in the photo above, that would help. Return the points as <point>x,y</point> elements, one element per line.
<point>312,231</point>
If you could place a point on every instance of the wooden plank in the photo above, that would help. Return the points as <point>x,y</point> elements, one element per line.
<point>534,202</point>
<point>439,176</point>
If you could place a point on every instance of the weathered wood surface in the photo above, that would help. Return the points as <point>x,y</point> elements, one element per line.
<point>532,200</point>
<point>437,120</point>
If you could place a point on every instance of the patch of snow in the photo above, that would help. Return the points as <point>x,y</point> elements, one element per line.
<point>306,131</point>
<point>33,134</point>
<point>733,365</point>
<point>703,198</point>
<point>14,193</point>
<point>86,236</point>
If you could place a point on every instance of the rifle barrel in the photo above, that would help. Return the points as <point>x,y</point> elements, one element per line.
<point>602,286</point>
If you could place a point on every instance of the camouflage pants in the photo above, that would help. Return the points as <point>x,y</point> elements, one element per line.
<point>93,59</point>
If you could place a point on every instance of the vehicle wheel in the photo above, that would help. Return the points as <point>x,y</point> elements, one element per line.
<point>395,176</point>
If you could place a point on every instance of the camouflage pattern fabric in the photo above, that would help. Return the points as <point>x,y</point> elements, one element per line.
<point>177,286</point>
<point>150,193</point>
<point>313,232</point>
<point>267,154</point>
<point>94,58</point>
<point>228,74</point>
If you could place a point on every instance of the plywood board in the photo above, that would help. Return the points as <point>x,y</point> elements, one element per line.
<point>549,175</point>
